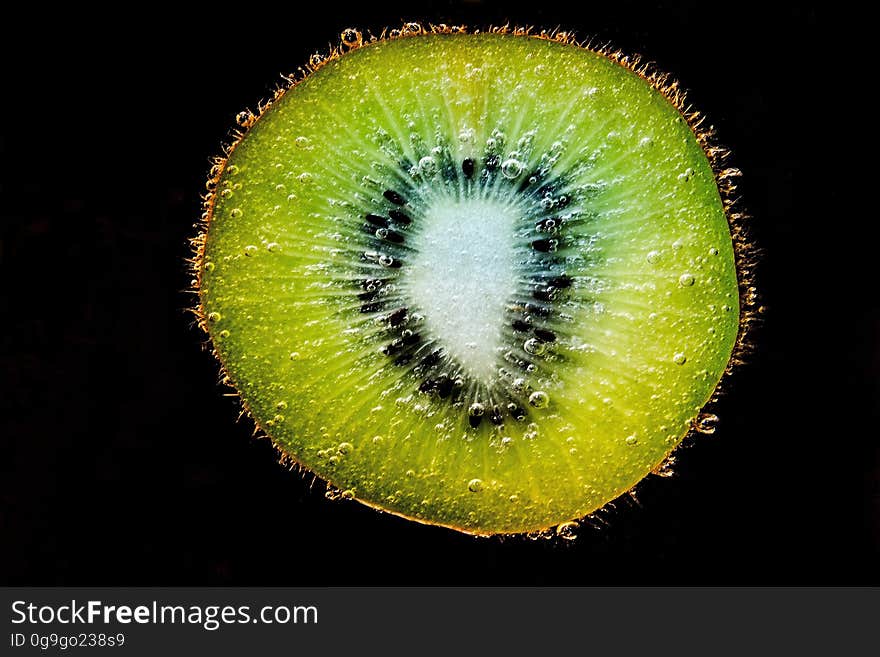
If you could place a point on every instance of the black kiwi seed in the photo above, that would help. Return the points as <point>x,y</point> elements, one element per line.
<point>400,217</point>
<point>431,359</point>
<point>561,282</point>
<point>444,386</point>
<point>376,220</point>
<point>495,417</point>
<point>394,197</point>
<point>544,335</point>
<point>544,245</point>
<point>396,318</point>
<point>392,236</point>
<point>539,311</point>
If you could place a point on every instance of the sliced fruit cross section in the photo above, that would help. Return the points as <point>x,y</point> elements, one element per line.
<point>484,281</point>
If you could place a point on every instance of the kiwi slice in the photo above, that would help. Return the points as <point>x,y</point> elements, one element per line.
<point>480,280</point>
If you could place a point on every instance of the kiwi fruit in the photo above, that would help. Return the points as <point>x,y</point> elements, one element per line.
<point>480,279</point>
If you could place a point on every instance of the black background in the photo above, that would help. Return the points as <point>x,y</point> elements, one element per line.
<point>122,462</point>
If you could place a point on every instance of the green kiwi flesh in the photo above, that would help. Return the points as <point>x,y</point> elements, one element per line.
<point>483,281</point>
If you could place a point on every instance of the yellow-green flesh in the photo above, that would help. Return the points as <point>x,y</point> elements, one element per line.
<point>644,333</point>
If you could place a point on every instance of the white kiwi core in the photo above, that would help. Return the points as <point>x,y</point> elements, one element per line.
<point>462,275</point>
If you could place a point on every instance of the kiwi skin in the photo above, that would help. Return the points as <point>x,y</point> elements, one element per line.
<point>725,176</point>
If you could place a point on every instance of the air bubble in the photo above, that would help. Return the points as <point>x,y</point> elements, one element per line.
<point>476,409</point>
<point>226,193</point>
<point>686,279</point>
<point>428,166</point>
<point>664,468</point>
<point>653,256</point>
<point>713,251</point>
<point>235,213</point>
<point>351,37</point>
<point>304,177</point>
<point>539,399</point>
<point>209,266</point>
<point>631,440</point>
<point>272,247</point>
<point>386,260</point>
<point>294,355</point>
<point>475,485</point>
<point>345,448</point>
<point>534,346</point>
<point>250,250</point>
<point>686,175</point>
<point>214,317</point>
<point>301,142</point>
<point>567,531</point>
<point>679,358</point>
<point>511,168</point>
<point>706,424</point>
